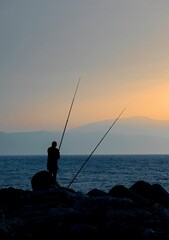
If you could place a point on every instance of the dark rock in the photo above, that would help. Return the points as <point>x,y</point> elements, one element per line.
<point>42,180</point>
<point>139,212</point>
<point>123,192</point>
<point>142,188</point>
<point>96,192</point>
<point>160,195</point>
<point>154,192</point>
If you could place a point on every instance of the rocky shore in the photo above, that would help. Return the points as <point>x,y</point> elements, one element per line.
<point>139,212</point>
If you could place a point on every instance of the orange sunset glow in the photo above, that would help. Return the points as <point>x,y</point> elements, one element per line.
<point>118,48</point>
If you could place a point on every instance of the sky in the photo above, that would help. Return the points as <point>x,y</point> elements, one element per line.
<point>118,48</point>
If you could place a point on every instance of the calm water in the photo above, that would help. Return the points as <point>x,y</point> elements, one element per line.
<point>100,171</point>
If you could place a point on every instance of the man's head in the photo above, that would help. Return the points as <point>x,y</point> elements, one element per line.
<point>54,144</point>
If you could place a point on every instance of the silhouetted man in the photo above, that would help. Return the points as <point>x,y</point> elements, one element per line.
<point>52,162</point>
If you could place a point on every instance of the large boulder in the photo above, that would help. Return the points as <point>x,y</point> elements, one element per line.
<point>42,180</point>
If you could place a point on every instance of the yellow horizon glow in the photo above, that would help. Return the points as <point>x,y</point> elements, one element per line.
<point>152,102</point>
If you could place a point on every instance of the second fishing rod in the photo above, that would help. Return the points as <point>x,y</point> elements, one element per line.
<point>96,147</point>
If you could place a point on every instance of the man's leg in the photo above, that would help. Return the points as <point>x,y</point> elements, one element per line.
<point>54,176</point>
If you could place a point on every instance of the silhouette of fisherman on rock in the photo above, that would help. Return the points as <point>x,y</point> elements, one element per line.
<point>52,161</point>
<point>45,179</point>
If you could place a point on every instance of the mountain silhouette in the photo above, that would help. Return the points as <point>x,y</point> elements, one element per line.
<point>134,135</point>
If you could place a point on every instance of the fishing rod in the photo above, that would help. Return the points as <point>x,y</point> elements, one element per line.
<point>96,147</point>
<point>69,114</point>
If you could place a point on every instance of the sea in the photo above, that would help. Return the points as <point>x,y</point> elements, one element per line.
<point>84,173</point>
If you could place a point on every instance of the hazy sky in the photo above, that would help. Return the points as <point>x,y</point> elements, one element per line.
<point>119,48</point>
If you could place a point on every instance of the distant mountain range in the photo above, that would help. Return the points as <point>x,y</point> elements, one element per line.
<point>134,135</point>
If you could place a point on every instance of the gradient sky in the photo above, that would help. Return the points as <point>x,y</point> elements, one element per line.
<point>119,48</point>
